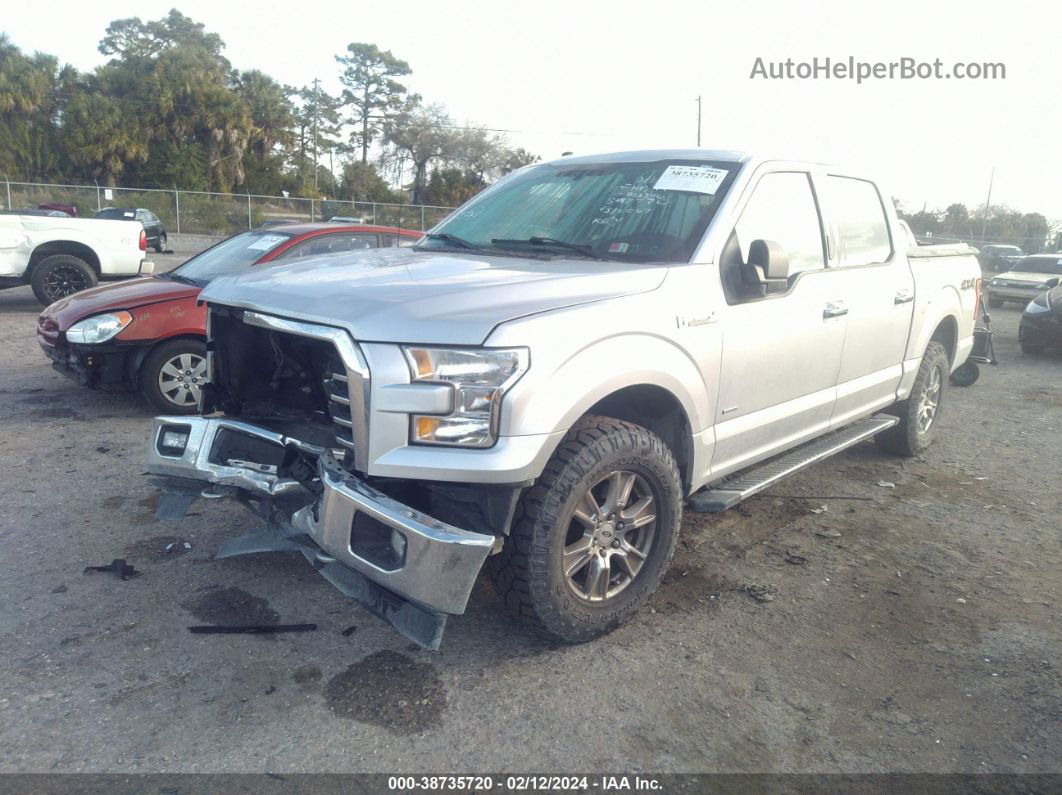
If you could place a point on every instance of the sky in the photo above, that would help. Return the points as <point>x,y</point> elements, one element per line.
<point>589,76</point>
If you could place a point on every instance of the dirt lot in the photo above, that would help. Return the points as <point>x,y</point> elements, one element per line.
<point>913,629</point>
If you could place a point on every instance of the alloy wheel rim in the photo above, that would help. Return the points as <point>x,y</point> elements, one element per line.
<point>930,402</point>
<point>181,379</point>
<point>609,536</point>
<point>64,280</point>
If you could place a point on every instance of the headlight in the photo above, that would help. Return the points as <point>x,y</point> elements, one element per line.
<point>994,283</point>
<point>479,377</point>
<point>1038,305</point>
<point>98,328</point>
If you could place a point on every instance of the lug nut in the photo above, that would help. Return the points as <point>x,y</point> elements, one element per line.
<point>615,544</point>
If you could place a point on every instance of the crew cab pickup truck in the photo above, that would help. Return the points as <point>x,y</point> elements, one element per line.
<point>60,256</point>
<point>546,380</point>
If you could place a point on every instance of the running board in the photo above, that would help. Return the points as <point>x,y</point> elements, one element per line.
<point>730,492</point>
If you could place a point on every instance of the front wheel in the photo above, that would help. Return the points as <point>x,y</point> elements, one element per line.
<point>593,537</point>
<point>1031,350</point>
<point>920,413</point>
<point>995,303</point>
<point>172,376</point>
<point>61,275</point>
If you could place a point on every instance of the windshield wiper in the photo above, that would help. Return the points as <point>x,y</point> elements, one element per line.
<point>179,278</point>
<point>446,237</point>
<point>581,248</point>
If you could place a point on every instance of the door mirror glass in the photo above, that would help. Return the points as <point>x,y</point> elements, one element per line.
<point>1052,282</point>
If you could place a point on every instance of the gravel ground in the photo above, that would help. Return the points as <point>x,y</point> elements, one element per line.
<point>912,629</point>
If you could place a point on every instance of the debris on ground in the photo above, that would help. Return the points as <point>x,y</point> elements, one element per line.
<point>60,588</point>
<point>796,560</point>
<point>828,533</point>
<point>349,631</point>
<point>820,509</point>
<point>886,484</point>
<point>250,629</point>
<point>118,566</point>
<point>761,593</point>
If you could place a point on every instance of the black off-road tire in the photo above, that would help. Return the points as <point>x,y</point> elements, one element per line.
<point>61,275</point>
<point>906,438</point>
<point>528,573</point>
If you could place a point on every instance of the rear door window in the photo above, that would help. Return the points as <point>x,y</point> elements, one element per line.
<point>323,245</point>
<point>857,215</point>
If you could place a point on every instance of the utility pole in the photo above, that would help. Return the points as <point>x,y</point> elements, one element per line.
<point>315,83</point>
<point>988,202</point>
<point>698,120</point>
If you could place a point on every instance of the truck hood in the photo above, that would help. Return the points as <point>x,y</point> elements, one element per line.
<point>402,295</point>
<point>110,297</point>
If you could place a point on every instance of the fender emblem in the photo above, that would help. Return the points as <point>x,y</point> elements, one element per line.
<point>689,322</point>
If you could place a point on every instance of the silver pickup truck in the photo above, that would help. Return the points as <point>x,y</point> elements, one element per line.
<point>551,375</point>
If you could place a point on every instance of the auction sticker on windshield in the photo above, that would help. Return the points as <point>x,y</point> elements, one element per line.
<point>692,179</point>
<point>266,242</point>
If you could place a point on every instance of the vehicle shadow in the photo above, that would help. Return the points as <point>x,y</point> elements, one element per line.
<point>20,299</point>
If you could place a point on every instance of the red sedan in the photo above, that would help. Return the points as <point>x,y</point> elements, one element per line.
<point>150,334</point>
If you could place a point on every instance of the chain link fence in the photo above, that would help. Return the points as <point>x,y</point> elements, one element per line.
<point>204,213</point>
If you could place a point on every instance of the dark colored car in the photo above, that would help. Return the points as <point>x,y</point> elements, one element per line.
<point>999,258</point>
<point>156,231</point>
<point>150,334</point>
<point>1041,322</point>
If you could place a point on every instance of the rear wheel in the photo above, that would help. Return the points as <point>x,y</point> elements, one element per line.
<point>919,414</point>
<point>172,376</point>
<point>61,275</point>
<point>1031,350</point>
<point>595,534</point>
<point>160,245</point>
<point>995,303</point>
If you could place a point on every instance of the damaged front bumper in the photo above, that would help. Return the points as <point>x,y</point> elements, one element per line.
<point>406,567</point>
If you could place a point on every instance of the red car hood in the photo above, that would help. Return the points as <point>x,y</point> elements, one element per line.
<point>124,295</point>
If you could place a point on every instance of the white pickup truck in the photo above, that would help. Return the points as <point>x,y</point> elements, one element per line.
<point>61,256</point>
<point>555,371</point>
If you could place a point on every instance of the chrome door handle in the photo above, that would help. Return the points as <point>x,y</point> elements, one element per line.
<point>834,309</point>
<point>903,297</point>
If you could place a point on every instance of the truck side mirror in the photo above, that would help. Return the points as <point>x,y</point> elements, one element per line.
<point>768,266</point>
<point>1052,282</point>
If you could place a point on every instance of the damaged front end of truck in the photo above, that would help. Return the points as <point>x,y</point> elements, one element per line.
<point>285,432</point>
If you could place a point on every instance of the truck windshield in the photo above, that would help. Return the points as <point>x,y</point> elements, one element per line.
<point>644,212</point>
<point>230,256</point>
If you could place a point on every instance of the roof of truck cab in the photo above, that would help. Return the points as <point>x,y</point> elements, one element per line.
<point>645,155</point>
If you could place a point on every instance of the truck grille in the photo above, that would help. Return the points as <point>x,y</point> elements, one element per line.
<point>337,389</point>
<point>283,370</point>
